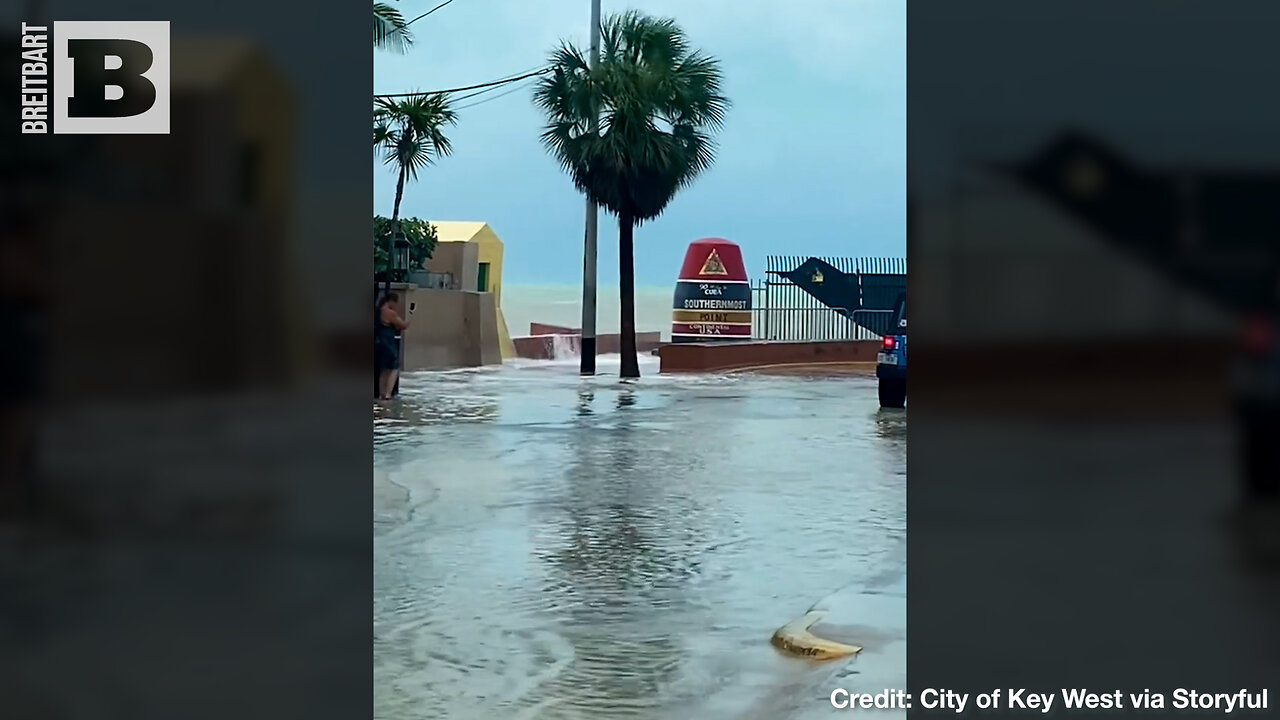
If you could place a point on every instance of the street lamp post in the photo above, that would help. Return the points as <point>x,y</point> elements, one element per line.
<point>400,256</point>
<point>593,217</point>
<point>397,232</point>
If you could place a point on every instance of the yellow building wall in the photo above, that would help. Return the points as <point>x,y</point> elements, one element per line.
<point>489,250</point>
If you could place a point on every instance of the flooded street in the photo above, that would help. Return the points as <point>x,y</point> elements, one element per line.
<point>548,546</point>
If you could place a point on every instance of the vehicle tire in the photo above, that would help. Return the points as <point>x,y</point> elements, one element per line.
<point>893,393</point>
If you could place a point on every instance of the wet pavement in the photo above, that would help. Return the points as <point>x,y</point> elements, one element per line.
<point>548,546</point>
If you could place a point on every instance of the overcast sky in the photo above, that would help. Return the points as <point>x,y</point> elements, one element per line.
<point>813,160</point>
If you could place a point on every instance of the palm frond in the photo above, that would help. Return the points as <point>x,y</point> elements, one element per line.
<point>390,31</point>
<point>659,102</point>
<point>410,154</point>
<point>409,132</point>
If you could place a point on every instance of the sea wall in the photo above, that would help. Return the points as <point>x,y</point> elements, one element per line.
<point>547,342</point>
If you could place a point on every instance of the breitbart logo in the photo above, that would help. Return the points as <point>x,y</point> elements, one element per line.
<point>99,78</point>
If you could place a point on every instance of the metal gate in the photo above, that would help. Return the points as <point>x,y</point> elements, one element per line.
<point>781,310</point>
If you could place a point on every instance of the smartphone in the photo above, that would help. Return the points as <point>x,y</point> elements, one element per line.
<point>412,305</point>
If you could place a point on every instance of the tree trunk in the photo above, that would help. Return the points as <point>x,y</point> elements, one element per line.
<point>627,296</point>
<point>391,241</point>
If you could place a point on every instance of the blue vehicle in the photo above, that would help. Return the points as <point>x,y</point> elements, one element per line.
<point>891,361</point>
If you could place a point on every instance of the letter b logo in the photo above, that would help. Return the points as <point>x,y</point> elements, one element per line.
<point>111,78</point>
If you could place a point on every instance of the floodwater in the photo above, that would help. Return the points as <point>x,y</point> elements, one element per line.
<point>548,546</point>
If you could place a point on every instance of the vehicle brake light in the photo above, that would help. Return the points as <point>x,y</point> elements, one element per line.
<point>889,342</point>
<point>1258,336</point>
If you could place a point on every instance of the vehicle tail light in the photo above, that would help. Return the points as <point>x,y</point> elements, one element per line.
<point>890,343</point>
<point>1259,336</point>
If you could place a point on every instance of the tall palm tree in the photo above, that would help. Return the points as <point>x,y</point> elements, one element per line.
<point>659,101</point>
<point>409,132</point>
<point>390,32</point>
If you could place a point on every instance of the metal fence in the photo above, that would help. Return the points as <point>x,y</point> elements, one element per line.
<point>781,310</point>
<point>434,280</point>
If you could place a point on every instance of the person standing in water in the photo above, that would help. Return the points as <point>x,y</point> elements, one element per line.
<point>386,346</point>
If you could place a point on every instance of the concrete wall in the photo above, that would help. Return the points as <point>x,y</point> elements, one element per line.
<point>458,259</point>
<point>451,328</point>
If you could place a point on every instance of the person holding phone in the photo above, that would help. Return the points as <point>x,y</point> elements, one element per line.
<point>386,345</point>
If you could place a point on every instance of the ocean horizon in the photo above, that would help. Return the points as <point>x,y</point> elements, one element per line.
<point>524,303</point>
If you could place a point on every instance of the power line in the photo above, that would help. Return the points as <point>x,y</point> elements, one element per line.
<point>494,83</point>
<point>482,87</point>
<point>493,97</point>
<point>446,2</point>
<point>460,98</point>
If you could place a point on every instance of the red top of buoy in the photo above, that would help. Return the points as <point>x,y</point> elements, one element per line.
<point>713,260</point>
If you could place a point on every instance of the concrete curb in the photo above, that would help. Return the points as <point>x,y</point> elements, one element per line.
<point>794,638</point>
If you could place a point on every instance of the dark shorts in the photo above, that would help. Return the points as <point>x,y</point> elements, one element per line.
<point>387,356</point>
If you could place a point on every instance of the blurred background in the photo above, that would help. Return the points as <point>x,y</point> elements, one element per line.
<point>1094,278</point>
<point>1093,241</point>
<point>185,416</point>
<point>196,265</point>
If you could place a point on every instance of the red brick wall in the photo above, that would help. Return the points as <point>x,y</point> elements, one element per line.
<point>699,357</point>
<point>541,329</point>
<point>539,347</point>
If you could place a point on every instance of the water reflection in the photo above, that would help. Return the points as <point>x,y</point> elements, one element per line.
<point>891,425</point>
<point>612,570</point>
<point>585,398</point>
<point>626,397</point>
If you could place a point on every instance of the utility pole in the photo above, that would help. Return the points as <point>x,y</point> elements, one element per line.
<point>593,224</point>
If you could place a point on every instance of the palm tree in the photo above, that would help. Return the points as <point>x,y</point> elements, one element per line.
<point>658,101</point>
<point>409,132</point>
<point>390,32</point>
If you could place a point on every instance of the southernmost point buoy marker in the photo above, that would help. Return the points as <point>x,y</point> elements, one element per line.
<point>713,297</point>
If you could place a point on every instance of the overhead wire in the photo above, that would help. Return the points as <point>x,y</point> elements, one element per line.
<point>491,98</point>
<point>475,90</point>
<point>446,2</point>
<point>493,83</point>
<point>495,87</point>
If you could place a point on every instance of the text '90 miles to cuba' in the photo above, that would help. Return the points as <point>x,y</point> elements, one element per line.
<point>1044,702</point>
